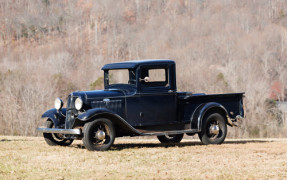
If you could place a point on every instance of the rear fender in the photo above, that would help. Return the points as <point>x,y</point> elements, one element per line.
<point>58,117</point>
<point>119,123</point>
<point>203,109</point>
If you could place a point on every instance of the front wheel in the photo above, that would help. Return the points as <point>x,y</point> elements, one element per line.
<point>99,135</point>
<point>170,138</point>
<point>213,130</point>
<point>54,139</point>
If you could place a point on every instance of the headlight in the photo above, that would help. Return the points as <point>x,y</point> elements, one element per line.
<point>78,104</point>
<point>58,103</point>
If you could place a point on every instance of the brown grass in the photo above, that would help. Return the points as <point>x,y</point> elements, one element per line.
<point>31,158</point>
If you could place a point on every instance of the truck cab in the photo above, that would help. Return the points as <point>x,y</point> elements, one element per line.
<point>150,91</point>
<point>140,98</point>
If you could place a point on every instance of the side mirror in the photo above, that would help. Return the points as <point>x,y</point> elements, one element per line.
<point>146,79</point>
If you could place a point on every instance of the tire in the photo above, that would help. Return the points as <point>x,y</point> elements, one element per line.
<point>217,134</point>
<point>92,141</point>
<point>170,138</point>
<point>54,139</point>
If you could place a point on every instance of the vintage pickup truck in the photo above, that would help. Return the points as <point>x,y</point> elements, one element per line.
<point>140,99</point>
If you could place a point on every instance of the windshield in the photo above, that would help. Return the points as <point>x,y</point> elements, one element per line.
<point>121,76</point>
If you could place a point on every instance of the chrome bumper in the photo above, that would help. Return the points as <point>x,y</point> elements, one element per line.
<point>59,131</point>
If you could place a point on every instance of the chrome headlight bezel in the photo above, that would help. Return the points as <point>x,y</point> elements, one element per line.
<point>58,103</point>
<point>79,103</point>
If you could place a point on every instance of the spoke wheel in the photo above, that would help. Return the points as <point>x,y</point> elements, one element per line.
<point>54,139</point>
<point>214,129</point>
<point>170,138</point>
<point>99,135</point>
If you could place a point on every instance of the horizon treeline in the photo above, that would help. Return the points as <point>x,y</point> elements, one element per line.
<point>51,48</point>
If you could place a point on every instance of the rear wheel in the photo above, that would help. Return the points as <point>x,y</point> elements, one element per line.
<point>54,139</point>
<point>214,129</point>
<point>170,138</point>
<point>99,135</point>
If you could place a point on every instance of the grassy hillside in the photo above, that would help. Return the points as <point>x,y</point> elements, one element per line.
<point>50,48</point>
<point>31,158</point>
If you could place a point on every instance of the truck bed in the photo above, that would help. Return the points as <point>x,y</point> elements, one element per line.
<point>188,102</point>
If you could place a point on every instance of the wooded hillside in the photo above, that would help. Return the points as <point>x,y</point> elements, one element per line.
<point>50,48</point>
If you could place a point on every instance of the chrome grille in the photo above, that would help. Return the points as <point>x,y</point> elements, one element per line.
<point>71,111</point>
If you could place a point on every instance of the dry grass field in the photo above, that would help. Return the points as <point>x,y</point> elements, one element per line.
<point>133,158</point>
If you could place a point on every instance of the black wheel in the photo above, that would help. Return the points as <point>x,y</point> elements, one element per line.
<point>213,130</point>
<point>54,139</point>
<point>99,135</point>
<point>170,138</point>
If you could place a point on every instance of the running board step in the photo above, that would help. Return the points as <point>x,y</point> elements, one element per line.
<point>166,133</point>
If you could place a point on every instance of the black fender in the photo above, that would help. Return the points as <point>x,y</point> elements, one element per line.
<point>202,109</point>
<point>58,117</point>
<point>120,123</point>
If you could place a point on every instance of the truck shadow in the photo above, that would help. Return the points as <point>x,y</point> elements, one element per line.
<point>122,146</point>
<point>12,140</point>
<point>152,145</point>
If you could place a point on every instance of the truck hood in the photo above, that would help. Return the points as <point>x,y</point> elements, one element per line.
<point>99,94</point>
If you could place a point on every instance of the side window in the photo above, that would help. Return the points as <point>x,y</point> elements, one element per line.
<point>151,77</point>
<point>156,75</point>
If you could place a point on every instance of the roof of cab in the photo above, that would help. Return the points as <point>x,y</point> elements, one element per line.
<point>136,63</point>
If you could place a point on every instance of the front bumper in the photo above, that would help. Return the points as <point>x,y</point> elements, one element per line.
<point>59,131</point>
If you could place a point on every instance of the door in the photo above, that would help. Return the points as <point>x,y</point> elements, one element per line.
<point>157,99</point>
<point>157,108</point>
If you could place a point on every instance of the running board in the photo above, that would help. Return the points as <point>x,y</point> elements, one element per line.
<point>78,131</point>
<point>166,133</point>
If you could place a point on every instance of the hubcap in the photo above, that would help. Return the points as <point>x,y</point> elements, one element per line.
<point>100,135</point>
<point>214,130</point>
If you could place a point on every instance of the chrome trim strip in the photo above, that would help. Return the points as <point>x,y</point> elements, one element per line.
<point>59,131</point>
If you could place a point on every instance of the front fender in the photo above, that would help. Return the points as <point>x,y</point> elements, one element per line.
<point>57,117</point>
<point>201,110</point>
<point>89,114</point>
<point>117,120</point>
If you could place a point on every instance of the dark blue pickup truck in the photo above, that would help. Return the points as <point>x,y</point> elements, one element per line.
<point>140,99</point>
